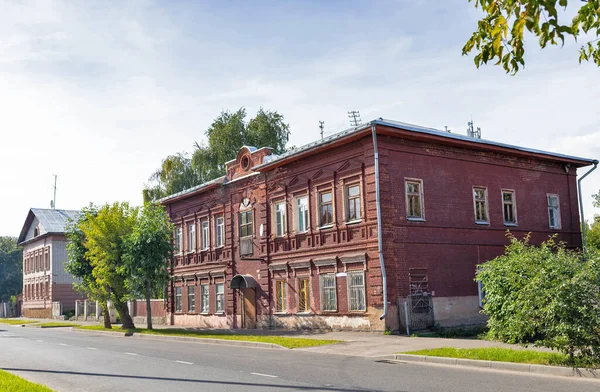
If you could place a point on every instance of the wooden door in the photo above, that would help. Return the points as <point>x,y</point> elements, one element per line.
<point>249,308</point>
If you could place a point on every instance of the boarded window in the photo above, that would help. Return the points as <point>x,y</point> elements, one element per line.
<point>280,296</point>
<point>414,199</point>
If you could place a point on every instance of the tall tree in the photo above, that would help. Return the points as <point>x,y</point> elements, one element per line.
<point>11,268</point>
<point>148,252</point>
<point>226,135</point>
<point>106,234</point>
<point>500,33</point>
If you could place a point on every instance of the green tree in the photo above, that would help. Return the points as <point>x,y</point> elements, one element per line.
<point>500,33</point>
<point>546,295</point>
<point>106,242</point>
<point>80,266</point>
<point>226,135</point>
<point>11,268</point>
<point>148,252</point>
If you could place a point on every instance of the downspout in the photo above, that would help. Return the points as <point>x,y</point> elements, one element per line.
<point>379,234</point>
<point>583,224</point>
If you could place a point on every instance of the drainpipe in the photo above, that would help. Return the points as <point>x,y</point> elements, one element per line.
<point>583,224</point>
<point>379,234</point>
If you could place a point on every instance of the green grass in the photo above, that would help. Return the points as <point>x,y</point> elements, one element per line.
<point>475,332</point>
<point>11,383</point>
<point>57,325</point>
<point>497,354</point>
<point>284,341</point>
<point>17,321</point>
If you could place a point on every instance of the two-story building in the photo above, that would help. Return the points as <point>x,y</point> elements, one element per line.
<point>326,235</point>
<point>44,255</point>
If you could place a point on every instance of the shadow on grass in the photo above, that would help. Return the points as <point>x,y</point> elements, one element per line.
<point>189,380</point>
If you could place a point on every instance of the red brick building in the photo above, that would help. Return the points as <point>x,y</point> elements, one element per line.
<point>292,240</point>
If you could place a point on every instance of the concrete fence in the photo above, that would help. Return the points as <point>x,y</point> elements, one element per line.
<point>158,309</point>
<point>8,309</point>
<point>87,310</point>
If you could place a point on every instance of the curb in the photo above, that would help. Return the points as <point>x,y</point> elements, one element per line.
<point>495,365</point>
<point>223,342</point>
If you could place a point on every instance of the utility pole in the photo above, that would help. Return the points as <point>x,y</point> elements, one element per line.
<point>53,202</point>
<point>354,116</point>
<point>321,126</point>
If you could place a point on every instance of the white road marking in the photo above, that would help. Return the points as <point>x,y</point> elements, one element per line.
<point>264,375</point>
<point>63,344</point>
<point>92,348</point>
<point>130,353</point>
<point>184,362</point>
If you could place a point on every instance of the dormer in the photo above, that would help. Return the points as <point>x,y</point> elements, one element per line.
<point>246,159</point>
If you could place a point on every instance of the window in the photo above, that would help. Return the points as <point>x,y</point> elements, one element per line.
<point>352,203</point>
<point>509,207</point>
<point>280,296</point>
<point>302,214</point>
<point>246,224</point>
<point>191,299</point>
<point>204,298</point>
<point>414,199</point>
<point>325,209</point>
<point>205,243</point>
<point>356,291</point>
<point>554,211</point>
<point>220,231</point>
<point>220,297</point>
<point>178,240</point>
<point>480,202</point>
<point>303,298</point>
<point>191,237</point>
<point>178,299</point>
<point>279,219</point>
<point>328,293</point>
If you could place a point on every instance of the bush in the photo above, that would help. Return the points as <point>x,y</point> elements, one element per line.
<point>546,295</point>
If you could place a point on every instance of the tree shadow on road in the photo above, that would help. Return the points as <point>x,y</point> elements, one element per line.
<point>208,382</point>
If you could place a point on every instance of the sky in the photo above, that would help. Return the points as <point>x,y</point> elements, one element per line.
<point>99,93</point>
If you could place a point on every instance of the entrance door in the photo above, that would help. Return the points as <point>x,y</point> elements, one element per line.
<point>249,308</point>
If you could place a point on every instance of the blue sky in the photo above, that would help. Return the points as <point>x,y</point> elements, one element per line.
<point>100,92</point>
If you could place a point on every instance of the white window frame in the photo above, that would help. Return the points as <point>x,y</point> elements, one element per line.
<point>322,293</point>
<point>284,305</point>
<point>178,239</point>
<point>302,210</point>
<point>191,237</point>
<point>204,298</point>
<point>347,202</point>
<point>558,223</point>
<point>279,211</point>
<point>418,182</point>
<point>205,234</point>
<point>178,299</point>
<point>220,231</point>
<point>361,288</point>
<point>513,203</point>
<point>219,309</point>
<point>487,205</point>
<point>191,308</point>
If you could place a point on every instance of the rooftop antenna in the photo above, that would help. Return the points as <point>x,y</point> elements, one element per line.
<point>447,130</point>
<point>321,126</point>
<point>53,201</point>
<point>354,116</point>
<point>471,132</point>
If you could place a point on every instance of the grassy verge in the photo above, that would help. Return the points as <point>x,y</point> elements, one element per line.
<point>478,332</point>
<point>11,383</point>
<point>57,325</point>
<point>280,340</point>
<point>17,321</point>
<point>498,354</point>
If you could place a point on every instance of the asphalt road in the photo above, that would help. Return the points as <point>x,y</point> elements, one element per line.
<point>73,361</point>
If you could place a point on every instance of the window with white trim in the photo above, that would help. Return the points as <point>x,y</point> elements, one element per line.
<point>205,235</point>
<point>191,237</point>
<point>414,199</point>
<point>328,293</point>
<point>509,207</point>
<point>356,291</point>
<point>204,298</point>
<point>178,307</point>
<point>220,297</point>
<point>325,208</point>
<point>302,214</point>
<point>279,214</point>
<point>554,211</point>
<point>178,238</point>
<point>191,297</point>
<point>352,202</point>
<point>280,296</point>
<point>220,231</point>
<point>480,202</point>
<point>303,295</point>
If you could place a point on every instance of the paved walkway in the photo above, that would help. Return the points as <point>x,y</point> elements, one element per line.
<point>362,344</point>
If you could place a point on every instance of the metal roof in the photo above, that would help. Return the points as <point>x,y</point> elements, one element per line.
<point>50,220</point>
<point>193,189</point>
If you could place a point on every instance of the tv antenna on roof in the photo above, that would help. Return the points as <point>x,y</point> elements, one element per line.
<point>471,132</point>
<point>321,126</point>
<point>354,116</point>
<point>53,201</point>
